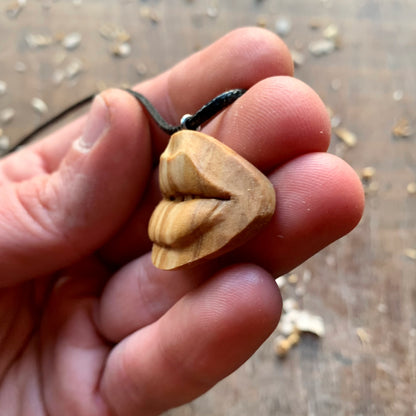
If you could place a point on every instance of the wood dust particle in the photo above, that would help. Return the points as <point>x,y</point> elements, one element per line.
<point>149,14</point>
<point>261,22</point>
<point>331,32</point>
<point>346,136</point>
<point>4,143</point>
<point>398,95</point>
<point>39,105</point>
<point>14,8</point>
<point>36,40</point>
<point>71,41</point>
<point>368,173</point>
<point>7,115</point>
<point>283,345</point>
<point>402,129</point>
<point>411,188</point>
<point>410,253</point>
<point>321,47</point>
<point>121,50</point>
<point>114,33</point>
<point>298,58</point>
<point>3,87</point>
<point>293,279</point>
<point>282,26</point>
<point>212,12</point>
<point>363,336</point>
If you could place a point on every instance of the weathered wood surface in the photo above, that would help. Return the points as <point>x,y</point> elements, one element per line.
<point>363,282</point>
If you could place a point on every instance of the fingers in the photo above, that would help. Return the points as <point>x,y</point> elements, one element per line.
<point>52,220</point>
<point>203,338</point>
<point>139,294</point>
<point>319,198</point>
<point>238,60</point>
<point>278,119</point>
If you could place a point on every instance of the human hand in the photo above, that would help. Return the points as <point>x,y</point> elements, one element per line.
<point>89,326</point>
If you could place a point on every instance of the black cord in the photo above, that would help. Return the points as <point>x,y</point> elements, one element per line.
<point>189,122</point>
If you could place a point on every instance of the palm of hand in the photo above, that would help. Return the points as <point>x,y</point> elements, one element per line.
<point>89,326</point>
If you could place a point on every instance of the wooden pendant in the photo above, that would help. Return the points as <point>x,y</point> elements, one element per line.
<point>213,201</point>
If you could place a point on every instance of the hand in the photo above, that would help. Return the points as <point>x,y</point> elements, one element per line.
<point>89,326</point>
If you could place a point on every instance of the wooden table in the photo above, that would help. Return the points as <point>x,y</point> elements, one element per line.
<point>364,286</point>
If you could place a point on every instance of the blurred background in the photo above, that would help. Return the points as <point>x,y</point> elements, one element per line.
<point>347,341</point>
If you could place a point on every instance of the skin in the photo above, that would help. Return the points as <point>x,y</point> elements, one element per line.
<point>89,326</point>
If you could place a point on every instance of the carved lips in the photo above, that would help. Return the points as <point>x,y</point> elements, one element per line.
<point>213,201</point>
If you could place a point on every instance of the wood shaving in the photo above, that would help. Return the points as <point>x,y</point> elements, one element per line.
<point>3,87</point>
<point>281,282</point>
<point>74,68</point>
<point>212,12</point>
<point>297,57</point>
<point>14,8</point>
<point>398,95</point>
<point>114,33</point>
<point>283,26</point>
<point>283,345</point>
<point>307,276</point>
<point>4,144</point>
<point>72,40</point>
<point>7,115</point>
<point>290,304</point>
<point>39,105</point>
<point>410,253</point>
<point>335,121</point>
<point>121,50</point>
<point>411,188</point>
<point>313,324</point>
<point>293,278</point>
<point>368,173</point>
<point>331,32</point>
<point>321,47</point>
<point>402,129</point>
<point>303,321</point>
<point>36,40</point>
<point>261,21</point>
<point>149,14</point>
<point>363,336</point>
<point>346,136</point>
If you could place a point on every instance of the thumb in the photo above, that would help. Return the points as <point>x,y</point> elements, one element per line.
<point>52,220</point>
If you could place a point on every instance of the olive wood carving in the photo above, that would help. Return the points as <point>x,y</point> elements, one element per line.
<point>213,201</point>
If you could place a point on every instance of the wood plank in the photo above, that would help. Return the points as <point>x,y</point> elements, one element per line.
<point>363,281</point>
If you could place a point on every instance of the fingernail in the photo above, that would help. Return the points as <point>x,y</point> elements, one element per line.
<point>98,123</point>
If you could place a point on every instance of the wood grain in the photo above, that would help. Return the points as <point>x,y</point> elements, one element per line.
<point>213,201</point>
